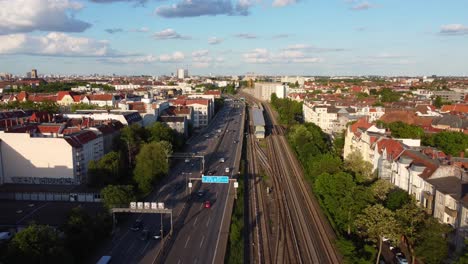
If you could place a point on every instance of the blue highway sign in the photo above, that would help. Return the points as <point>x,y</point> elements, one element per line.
<point>215,179</point>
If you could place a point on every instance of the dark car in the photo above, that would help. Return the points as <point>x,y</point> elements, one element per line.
<point>144,234</point>
<point>201,193</point>
<point>211,172</point>
<point>178,186</point>
<point>137,225</point>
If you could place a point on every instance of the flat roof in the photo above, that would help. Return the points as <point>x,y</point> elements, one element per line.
<point>257,116</point>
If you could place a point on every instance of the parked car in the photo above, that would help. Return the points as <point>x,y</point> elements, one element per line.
<point>137,225</point>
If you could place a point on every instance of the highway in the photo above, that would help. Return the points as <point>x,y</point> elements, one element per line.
<point>198,223</point>
<point>198,240</point>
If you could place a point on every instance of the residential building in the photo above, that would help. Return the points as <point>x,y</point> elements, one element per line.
<point>263,91</point>
<point>178,123</point>
<point>182,73</point>
<point>452,96</point>
<point>43,154</point>
<point>125,117</point>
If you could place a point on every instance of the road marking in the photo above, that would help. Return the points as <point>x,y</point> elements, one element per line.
<point>178,262</point>
<point>208,222</point>
<point>31,213</point>
<point>202,240</point>
<point>186,242</point>
<point>146,246</point>
<point>222,220</point>
<point>201,206</point>
<point>195,222</point>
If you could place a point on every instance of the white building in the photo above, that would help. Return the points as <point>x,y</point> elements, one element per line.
<point>263,91</point>
<point>129,86</point>
<point>203,110</point>
<point>40,154</point>
<point>125,117</point>
<point>182,73</point>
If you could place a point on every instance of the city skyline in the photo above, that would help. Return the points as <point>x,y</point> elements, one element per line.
<point>280,37</point>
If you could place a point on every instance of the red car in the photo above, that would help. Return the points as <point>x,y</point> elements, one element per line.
<point>207,204</point>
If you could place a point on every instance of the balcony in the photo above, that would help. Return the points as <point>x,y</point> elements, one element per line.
<point>452,213</point>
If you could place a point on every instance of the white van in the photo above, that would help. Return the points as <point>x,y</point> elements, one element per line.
<point>227,170</point>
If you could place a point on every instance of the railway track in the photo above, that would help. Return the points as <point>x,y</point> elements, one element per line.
<point>298,232</point>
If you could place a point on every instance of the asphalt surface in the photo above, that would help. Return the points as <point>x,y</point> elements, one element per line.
<point>197,240</point>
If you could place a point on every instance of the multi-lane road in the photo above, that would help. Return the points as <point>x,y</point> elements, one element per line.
<point>198,238</point>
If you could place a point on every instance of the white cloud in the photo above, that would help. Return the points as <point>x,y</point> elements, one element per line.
<point>133,60</point>
<point>215,40</point>
<point>257,56</point>
<point>141,30</point>
<point>454,29</point>
<point>362,6</point>
<point>18,16</point>
<point>200,53</point>
<point>310,48</point>
<point>284,56</point>
<point>169,33</point>
<point>246,36</point>
<point>281,3</point>
<point>174,57</point>
<point>54,44</point>
<point>195,8</point>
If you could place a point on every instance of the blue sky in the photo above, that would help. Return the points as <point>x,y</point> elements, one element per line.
<point>277,37</point>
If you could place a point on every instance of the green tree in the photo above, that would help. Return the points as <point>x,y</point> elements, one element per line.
<point>106,170</point>
<point>411,218</point>
<point>160,131</point>
<point>403,130</point>
<point>308,141</point>
<point>438,102</point>
<point>433,248</point>
<point>151,165</point>
<point>323,163</point>
<point>362,170</point>
<point>396,199</point>
<point>117,195</point>
<point>133,136</point>
<point>375,223</point>
<point>342,198</point>
<point>38,244</point>
<point>452,143</point>
<point>388,95</point>
<point>381,188</point>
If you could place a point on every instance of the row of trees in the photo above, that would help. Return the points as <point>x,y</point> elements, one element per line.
<point>140,159</point>
<point>54,87</point>
<point>46,106</point>
<point>362,209</point>
<point>70,243</point>
<point>290,112</point>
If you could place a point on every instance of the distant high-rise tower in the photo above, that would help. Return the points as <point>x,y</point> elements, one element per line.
<point>182,73</point>
<point>34,73</point>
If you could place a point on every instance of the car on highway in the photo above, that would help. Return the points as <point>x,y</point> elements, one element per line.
<point>137,225</point>
<point>207,204</point>
<point>235,141</point>
<point>221,160</point>
<point>227,170</point>
<point>211,172</point>
<point>201,193</point>
<point>178,186</point>
<point>187,160</point>
<point>157,235</point>
<point>144,235</point>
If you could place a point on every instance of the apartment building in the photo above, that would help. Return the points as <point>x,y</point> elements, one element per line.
<point>43,154</point>
<point>202,110</point>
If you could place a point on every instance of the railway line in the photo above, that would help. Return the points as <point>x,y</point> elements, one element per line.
<point>296,230</point>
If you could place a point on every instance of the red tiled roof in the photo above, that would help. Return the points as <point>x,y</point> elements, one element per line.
<point>197,101</point>
<point>22,96</point>
<point>42,98</point>
<point>77,98</point>
<point>48,128</point>
<point>461,108</point>
<point>62,94</point>
<point>360,123</point>
<point>393,147</point>
<point>101,97</point>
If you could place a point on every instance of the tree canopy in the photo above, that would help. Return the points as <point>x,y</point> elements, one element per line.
<point>151,165</point>
<point>117,195</point>
<point>452,143</point>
